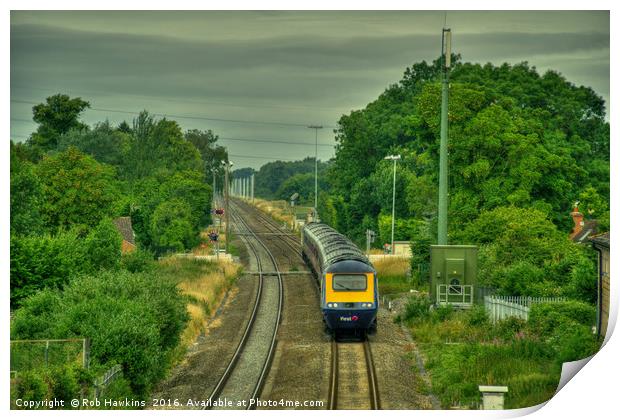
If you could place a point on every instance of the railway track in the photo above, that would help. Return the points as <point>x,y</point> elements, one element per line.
<point>353,381</point>
<point>290,239</point>
<point>247,370</point>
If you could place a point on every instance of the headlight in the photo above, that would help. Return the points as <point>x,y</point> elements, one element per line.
<point>366,305</point>
<point>332,305</point>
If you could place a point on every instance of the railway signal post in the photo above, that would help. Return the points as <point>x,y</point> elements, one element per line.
<point>226,199</point>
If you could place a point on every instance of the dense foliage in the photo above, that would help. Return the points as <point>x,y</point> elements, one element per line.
<point>68,276</point>
<point>132,319</point>
<point>523,148</point>
<point>69,178</point>
<point>464,349</point>
<point>270,179</point>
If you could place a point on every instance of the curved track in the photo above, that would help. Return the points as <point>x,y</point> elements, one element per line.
<point>353,382</point>
<point>290,239</point>
<point>246,372</point>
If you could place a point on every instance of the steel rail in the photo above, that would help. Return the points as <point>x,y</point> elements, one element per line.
<point>244,338</point>
<point>288,237</point>
<point>271,351</point>
<point>373,389</point>
<point>332,399</point>
<point>375,403</point>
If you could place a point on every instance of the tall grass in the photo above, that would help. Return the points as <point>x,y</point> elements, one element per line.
<point>204,283</point>
<point>462,350</point>
<point>393,275</point>
<point>279,210</point>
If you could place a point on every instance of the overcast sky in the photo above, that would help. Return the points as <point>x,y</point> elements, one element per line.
<point>242,73</point>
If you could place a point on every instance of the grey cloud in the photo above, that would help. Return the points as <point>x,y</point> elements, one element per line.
<point>339,60</point>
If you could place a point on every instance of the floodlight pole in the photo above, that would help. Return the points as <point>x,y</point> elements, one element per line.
<point>393,158</point>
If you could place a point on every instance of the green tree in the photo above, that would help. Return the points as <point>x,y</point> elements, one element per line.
<point>523,253</point>
<point>78,191</point>
<point>158,148</point>
<point>190,187</point>
<point>55,117</point>
<point>26,197</point>
<point>173,226</point>
<point>105,143</point>
<point>103,246</point>
<point>44,261</point>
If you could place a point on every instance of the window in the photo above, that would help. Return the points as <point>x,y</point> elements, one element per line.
<point>349,282</point>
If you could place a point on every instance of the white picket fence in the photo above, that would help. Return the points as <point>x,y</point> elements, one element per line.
<point>501,307</point>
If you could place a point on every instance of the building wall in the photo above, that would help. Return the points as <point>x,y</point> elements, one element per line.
<point>604,298</point>
<point>402,248</point>
<point>127,247</point>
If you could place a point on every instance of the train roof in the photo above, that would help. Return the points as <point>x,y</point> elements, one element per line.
<point>334,246</point>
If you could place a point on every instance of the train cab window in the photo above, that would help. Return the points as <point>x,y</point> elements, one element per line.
<point>349,282</point>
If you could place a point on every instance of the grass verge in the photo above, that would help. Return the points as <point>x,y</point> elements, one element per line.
<point>463,349</point>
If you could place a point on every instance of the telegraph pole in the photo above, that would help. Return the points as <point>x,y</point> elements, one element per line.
<point>214,203</point>
<point>442,227</point>
<point>316,168</point>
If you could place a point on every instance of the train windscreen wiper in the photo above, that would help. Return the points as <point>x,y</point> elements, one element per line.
<point>342,286</point>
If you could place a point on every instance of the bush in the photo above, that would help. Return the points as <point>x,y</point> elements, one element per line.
<point>508,328</point>
<point>173,226</point>
<point>38,262</point>
<point>134,319</point>
<point>442,313</point>
<point>103,246</point>
<point>30,386</point>
<point>574,344</point>
<point>547,318</point>
<point>63,383</point>
<point>477,316</point>
<point>416,309</point>
<point>137,261</point>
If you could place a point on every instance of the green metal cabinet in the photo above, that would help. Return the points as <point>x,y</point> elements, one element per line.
<point>453,274</point>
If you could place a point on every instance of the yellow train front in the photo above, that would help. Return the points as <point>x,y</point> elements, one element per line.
<point>349,298</point>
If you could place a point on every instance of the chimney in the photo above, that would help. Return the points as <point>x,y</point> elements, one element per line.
<point>577,219</point>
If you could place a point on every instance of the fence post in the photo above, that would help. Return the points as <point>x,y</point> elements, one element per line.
<point>86,353</point>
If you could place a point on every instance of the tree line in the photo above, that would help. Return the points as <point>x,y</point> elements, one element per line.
<point>523,148</point>
<point>69,181</point>
<point>68,277</point>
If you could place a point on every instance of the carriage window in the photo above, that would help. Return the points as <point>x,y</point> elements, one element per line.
<point>349,282</point>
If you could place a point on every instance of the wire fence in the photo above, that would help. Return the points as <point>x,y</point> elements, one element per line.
<point>34,354</point>
<point>101,383</point>
<point>502,307</point>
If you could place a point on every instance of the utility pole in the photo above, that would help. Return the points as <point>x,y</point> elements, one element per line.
<point>316,168</point>
<point>393,158</point>
<point>214,203</point>
<point>226,199</point>
<point>442,227</point>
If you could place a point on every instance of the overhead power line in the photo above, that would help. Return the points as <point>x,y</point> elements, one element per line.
<point>229,154</point>
<point>177,99</point>
<point>248,140</point>
<point>187,117</point>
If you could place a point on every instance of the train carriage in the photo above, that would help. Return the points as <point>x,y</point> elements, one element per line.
<point>349,293</point>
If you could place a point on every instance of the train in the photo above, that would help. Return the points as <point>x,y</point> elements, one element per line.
<point>348,281</point>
